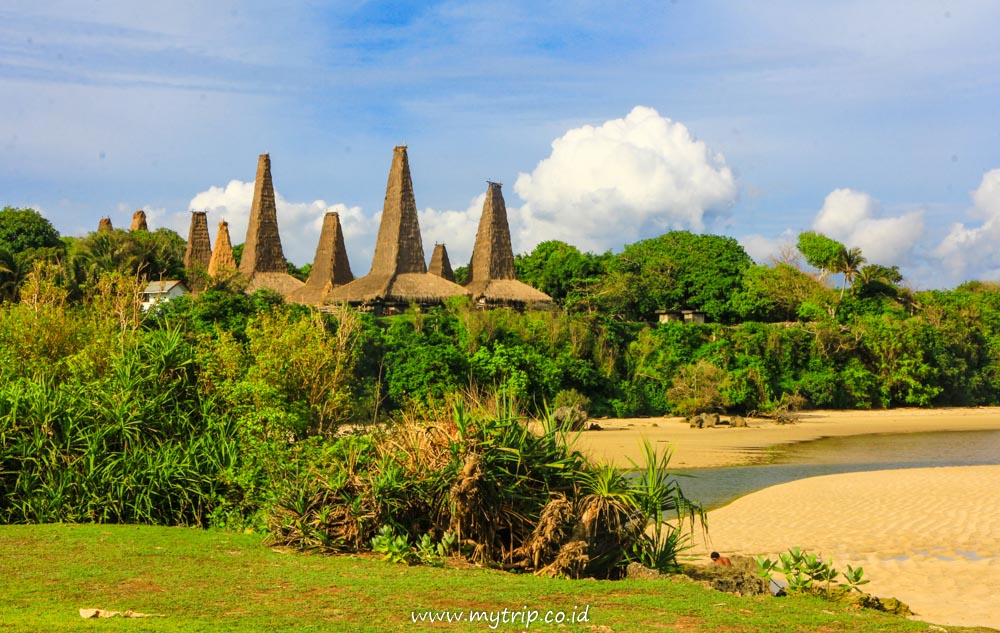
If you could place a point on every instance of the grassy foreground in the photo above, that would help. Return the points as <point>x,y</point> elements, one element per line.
<point>214,581</point>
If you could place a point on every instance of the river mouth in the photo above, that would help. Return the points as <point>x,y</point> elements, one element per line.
<point>716,487</point>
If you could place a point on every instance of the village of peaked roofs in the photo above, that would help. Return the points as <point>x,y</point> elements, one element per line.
<point>399,276</point>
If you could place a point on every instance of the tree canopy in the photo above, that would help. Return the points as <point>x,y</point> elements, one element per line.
<point>24,229</point>
<point>679,269</point>
<point>559,269</point>
<point>821,252</point>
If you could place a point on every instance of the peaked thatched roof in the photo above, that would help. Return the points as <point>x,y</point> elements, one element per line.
<point>330,266</point>
<point>440,264</point>
<point>399,271</point>
<point>262,249</point>
<point>399,248</point>
<point>492,279</point>
<point>282,283</point>
<point>263,262</point>
<point>492,255</point>
<point>199,246</point>
<point>139,221</point>
<point>104,225</point>
<point>222,261</point>
<point>400,289</point>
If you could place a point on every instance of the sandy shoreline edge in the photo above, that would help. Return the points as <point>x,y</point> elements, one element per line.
<point>621,439</point>
<point>928,536</point>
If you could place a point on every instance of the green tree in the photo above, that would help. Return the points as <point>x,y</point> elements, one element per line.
<point>850,265</point>
<point>821,252</point>
<point>151,255</point>
<point>676,270</point>
<point>25,229</point>
<point>778,293</point>
<point>559,269</point>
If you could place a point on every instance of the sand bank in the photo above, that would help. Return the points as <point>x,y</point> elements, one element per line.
<point>621,439</point>
<point>929,536</point>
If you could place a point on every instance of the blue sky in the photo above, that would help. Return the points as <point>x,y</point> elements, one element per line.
<point>877,122</point>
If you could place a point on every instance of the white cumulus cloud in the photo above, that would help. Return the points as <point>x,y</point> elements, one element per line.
<point>852,217</point>
<point>971,252</point>
<point>629,178</point>
<point>455,229</point>
<point>765,249</point>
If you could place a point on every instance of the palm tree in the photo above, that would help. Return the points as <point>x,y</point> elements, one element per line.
<point>850,265</point>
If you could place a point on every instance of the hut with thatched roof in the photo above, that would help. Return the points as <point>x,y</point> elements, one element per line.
<point>198,253</point>
<point>222,263</point>
<point>199,247</point>
<point>139,221</point>
<point>105,225</point>
<point>440,264</point>
<point>398,275</point>
<point>263,262</point>
<point>492,280</point>
<point>330,266</point>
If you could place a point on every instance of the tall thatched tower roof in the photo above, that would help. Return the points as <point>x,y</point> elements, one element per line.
<point>199,246</point>
<point>399,272</point>
<point>399,248</point>
<point>330,266</point>
<point>222,261</point>
<point>104,225</point>
<point>139,221</point>
<point>262,251</point>
<point>492,255</point>
<point>263,261</point>
<point>492,280</point>
<point>440,264</point>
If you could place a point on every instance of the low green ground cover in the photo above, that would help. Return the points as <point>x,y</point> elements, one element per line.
<point>218,581</point>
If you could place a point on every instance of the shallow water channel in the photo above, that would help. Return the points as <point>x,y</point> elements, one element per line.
<point>715,487</point>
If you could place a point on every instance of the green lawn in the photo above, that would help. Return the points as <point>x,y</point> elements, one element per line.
<point>214,581</point>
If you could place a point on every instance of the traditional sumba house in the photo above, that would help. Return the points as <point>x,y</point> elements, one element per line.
<point>104,225</point>
<point>263,262</point>
<point>222,263</point>
<point>492,281</point>
<point>199,246</point>
<point>198,252</point>
<point>440,264</point>
<point>398,276</point>
<point>139,221</point>
<point>330,266</point>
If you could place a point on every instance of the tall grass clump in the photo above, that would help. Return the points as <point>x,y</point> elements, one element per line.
<point>506,494</point>
<point>137,445</point>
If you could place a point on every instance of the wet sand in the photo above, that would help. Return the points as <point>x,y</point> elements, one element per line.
<point>621,439</point>
<point>929,536</point>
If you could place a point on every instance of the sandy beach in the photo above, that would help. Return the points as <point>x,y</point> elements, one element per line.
<point>621,439</point>
<point>929,536</point>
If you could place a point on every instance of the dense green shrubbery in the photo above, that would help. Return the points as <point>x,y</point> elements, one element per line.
<point>499,492</point>
<point>217,409</point>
